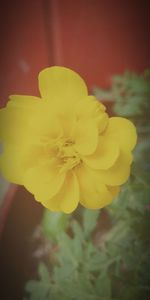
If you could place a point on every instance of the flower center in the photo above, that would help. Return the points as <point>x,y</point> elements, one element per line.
<point>67,154</point>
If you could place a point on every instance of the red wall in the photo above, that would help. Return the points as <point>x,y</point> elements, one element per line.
<point>94,37</point>
<point>100,38</point>
<point>24,46</point>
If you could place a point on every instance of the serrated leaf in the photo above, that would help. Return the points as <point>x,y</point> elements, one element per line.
<point>67,252</point>
<point>63,273</point>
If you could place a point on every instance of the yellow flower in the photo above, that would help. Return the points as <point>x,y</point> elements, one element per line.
<point>63,147</point>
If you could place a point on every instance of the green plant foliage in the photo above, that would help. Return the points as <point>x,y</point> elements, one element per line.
<point>40,290</point>
<point>53,224</point>
<point>129,92</point>
<point>95,261</point>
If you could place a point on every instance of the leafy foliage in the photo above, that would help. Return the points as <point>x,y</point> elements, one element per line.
<point>53,224</point>
<point>40,289</point>
<point>129,92</point>
<point>105,255</point>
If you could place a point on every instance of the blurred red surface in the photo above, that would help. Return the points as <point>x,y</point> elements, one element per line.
<point>24,49</point>
<point>101,38</point>
<point>95,38</point>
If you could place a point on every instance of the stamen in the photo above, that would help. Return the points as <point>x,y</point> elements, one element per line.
<point>64,150</point>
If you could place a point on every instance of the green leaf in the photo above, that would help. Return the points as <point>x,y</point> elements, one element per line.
<point>103,286</point>
<point>77,230</point>
<point>53,224</point>
<point>43,272</point>
<point>90,218</point>
<point>38,290</point>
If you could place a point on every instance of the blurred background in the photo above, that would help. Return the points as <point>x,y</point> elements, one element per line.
<point>94,37</point>
<point>97,39</point>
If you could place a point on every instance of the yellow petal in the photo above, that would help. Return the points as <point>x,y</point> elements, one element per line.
<point>34,107</point>
<point>119,172</point>
<point>12,125</point>
<point>15,118</point>
<point>85,137</point>
<point>45,128</point>
<point>70,192</point>
<point>44,181</point>
<point>102,122</point>
<point>105,155</point>
<point>61,86</point>
<point>96,110</point>
<point>93,193</point>
<point>16,160</point>
<point>11,164</point>
<point>67,122</point>
<point>53,204</point>
<point>68,197</point>
<point>38,118</point>
<point>89,106</point>
<point>124,131</point>
<point>36,155</point>
<point>23,101</point>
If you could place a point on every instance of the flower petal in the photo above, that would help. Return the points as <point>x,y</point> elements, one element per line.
<point>85,137</point>
<point>89,106</point>
<point>94,193</point>
<point>102,122</point>
<point>15,118</point>
<point>16,160</point>
<point>67,122</point>
<point>105,155</point>
<point>61,86</point>
<point>11,165</point>
<point>124,131</point>
<point>44,181</point>
<point>23,101</point>
<point>119,172</point>
<point>45,128</point>
<point>68,197</point>
<point>70,192</point>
